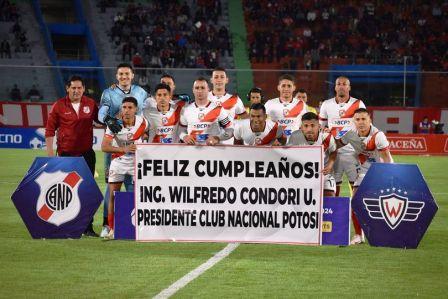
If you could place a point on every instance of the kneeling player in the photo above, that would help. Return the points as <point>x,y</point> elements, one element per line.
<point>258,130</point>
<point>310,134</point>
<point>371,146</point>
<point>123,155</point>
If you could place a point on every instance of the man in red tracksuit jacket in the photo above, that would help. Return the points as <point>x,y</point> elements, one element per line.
<point>72,117</point>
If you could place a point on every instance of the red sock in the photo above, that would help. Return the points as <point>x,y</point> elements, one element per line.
<point>110,220</point>
<point>356,224</point>
<point>338,190</point>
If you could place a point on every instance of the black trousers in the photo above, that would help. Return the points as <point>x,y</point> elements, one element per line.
<point>90,158</point>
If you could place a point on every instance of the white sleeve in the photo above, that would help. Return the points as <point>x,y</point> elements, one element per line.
<point>239,108</point>
<point>332,145</point>
<point>237,133</point>
<point>183,119</point>
<point>381,142</point>
<point>323,115</point>
<point>361,104</point>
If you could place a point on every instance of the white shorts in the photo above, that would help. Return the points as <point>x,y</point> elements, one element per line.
<point>119,168</point>
<point>348,164</point>
<point>329,183</point>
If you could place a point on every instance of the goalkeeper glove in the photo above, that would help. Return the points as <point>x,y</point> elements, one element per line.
<point>184,97</point>
<point>113,124</point>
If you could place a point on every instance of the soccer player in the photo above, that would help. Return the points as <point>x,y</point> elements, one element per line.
<point>370,146</point>
<point>255,95</point>
<point>286,110</point>
<point>204,122</point>
<point>302,95</point>
<point>164,117</point>
<point>258,130</point>
<point>311,134</point>
<point>110,105</point>
<point>337,113</point>
<point>134,126</point>
<point>169,80</point>
<point>231,103</point>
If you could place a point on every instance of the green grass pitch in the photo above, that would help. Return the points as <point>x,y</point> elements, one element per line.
<point>91,267</point>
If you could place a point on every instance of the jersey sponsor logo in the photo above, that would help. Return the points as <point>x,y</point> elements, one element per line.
<point>286,121</point>
<point>164,130</point>
<point>86,109</point>
<point>200,126</point>
<point>166,140</point>
<point>393,208</point>
<point>201,137</point>
<point>411,144</point>
<point>58,200</point>
<point>342,122</point>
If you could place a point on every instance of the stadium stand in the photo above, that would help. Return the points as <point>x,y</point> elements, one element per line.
<point>27,49</point>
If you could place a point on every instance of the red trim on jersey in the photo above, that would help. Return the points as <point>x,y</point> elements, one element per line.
<point>351,110</point>
<point>326,142</point>
<point>296,109</point>
<point>371,146</point>
<point>140,131</point>
<point>174,119</point>
<point>270,136</point>
<point>230,102</point>
<point>116,155</point>
<point>212,115</point>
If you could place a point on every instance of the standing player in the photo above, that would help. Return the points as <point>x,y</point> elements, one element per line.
<point>337,113</point>
<point>164,117</point>
<point>204,122</point>
<point>302,95</point>
<point>110,106</point>
<point>231,103</point>
<point>169,80</point>
<point>286,110</point>
<point>255,95</point>
<point>134,126</point>
<point>258,130</point>
<point>370,146</point>
<point>310,134</point>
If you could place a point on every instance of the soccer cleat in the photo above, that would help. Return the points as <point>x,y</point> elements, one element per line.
<point>357,239</point>
<point>110,235</point>
<point>105,231</point>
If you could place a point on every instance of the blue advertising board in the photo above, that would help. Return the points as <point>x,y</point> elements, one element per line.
<point>57,197</point>
<point>394,205</point>
<point>22,138</point>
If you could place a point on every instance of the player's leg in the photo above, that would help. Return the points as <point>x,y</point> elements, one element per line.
<point>338,172</point>
<point>107,160</point>
<point>358,237</point>
<point>90,159</point>
<point>329,186</point>
<point>129,182</point>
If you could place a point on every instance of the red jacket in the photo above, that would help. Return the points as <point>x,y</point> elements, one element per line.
<point>74,132</point>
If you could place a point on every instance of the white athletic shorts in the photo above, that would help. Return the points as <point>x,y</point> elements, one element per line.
<point>348,164</point>
<point>119,168</point>
<point>329,183</point>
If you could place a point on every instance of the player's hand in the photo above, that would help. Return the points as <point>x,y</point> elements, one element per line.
<point>184,97</point>
<point>130,149</point>
<point>276,143</point>
<point>189,140</point>
<point>113,85</point>
<point>327,169</point>
<point>212,140</point>
<point>113,124</point>
<point>326,130</point>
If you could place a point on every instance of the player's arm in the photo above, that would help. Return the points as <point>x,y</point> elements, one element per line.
<point>50,129</point>
<point>382,144</point>
<point>107,147</point>
<point>323,117</point>
<point>328,168</point>
<point>386,156</point>
<point>183,129</point>
<point>226,126</point>
<point>280,138</point>
<point>238,140</point>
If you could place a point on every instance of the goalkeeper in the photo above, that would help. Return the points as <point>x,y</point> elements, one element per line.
<point>110,105</point>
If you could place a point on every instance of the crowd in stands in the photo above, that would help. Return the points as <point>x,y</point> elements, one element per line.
<point>164,34</point>
<point>374,32</point>
<point>33,94</point>
<point>16,39</point>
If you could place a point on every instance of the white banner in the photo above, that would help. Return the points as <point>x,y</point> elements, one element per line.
<point>229,194</point>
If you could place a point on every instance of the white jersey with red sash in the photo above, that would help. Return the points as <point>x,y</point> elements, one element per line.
<point>339,115</point>
<point>367,148</point>
<point>163,127</point>
<point>243,131</point>
<point>202,122</point>
<point>325,139</point>
<point>287,114</point>
<point>127,136</point>
<point>231,103</point>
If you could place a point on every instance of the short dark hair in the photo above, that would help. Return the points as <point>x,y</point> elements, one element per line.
<point>130,100</point>
<point>301,90</point>
<point>125,64</point>
<point>167,76</point>
<point>201,78</point>
<point>162,86</point>
<point>287,77</point>
<point>258,106</point>
<point>361,110</point>
<point>219,69</point>
<point>74,78</point>
<point>310,116</point>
